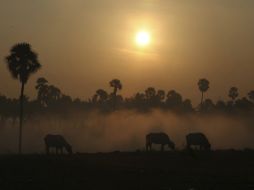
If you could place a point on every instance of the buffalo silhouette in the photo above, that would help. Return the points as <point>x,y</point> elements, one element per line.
<point>58,142</point>
<point>159,138</point>
<point>198,139</point>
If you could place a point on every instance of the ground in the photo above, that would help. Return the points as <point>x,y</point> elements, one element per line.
<point>130,171</point>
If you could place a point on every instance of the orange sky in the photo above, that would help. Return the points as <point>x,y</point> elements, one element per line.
<point>83,44</point>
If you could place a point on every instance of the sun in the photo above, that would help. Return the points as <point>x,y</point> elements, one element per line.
<point>142,38</point>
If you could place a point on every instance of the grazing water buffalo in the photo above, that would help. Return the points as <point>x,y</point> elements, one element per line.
<point>58,142</point>
<point>198,139</point>
<point>158,138</point>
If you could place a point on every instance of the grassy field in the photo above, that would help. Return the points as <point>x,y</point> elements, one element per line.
<point>130,171</point>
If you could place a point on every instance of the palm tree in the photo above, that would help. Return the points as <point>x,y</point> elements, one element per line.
<point>233,93</point>
<point>116,84</point>
<point>203,85</point>
<point>22,62</point>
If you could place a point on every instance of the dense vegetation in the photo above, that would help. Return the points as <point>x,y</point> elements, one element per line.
<point>50,100</point>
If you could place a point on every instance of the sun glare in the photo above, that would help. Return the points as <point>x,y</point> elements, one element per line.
<point>142,38</point>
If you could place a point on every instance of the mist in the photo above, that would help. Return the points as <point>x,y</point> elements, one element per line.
<point>126,130</point>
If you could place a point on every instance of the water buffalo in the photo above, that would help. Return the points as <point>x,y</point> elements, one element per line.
<point>198,139</point>
<point>159,138</point>
<point>58,142</point>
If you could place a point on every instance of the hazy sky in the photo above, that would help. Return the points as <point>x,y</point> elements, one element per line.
<point>83,44</point>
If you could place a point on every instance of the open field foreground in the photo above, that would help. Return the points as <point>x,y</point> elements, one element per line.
<point>130,171</point>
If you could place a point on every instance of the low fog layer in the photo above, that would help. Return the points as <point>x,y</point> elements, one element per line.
<point>126,130</point>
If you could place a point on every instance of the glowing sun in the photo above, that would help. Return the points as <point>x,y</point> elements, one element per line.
<point>142,38</point>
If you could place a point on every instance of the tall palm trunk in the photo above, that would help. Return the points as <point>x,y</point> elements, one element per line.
<point>115,91</point>
<point>202,97</point>
<point>114,98</point>
<point>21,116</point>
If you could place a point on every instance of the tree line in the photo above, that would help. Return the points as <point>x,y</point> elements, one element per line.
<point>50,100</point>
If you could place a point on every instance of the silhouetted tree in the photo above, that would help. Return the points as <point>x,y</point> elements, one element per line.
<point>187,106</point>
<point>22,62</point>
<point>243,104</point>
<point>150,93</point>
<point>114,99</point>
<point>140,97</point>
<point>43,90</point>
<point>174,99</point>
<point>203,85</point>
<point>251,95</point>
<point>94,99</point>
<point>79,104</point>
<point>65,100</point>
<point>41,82</point>
<point>208,106</point>
<point>160,96</point>
<point>221,106</point>
<point>103,95</point>
<point>139,101</point>
<point>116,84</point>
<point>54,93</point>
<point>233,93</point>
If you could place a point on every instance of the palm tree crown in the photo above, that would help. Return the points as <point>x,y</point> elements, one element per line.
<point>116,84</point>
<point>22,62</point>
<point>203,85</point>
